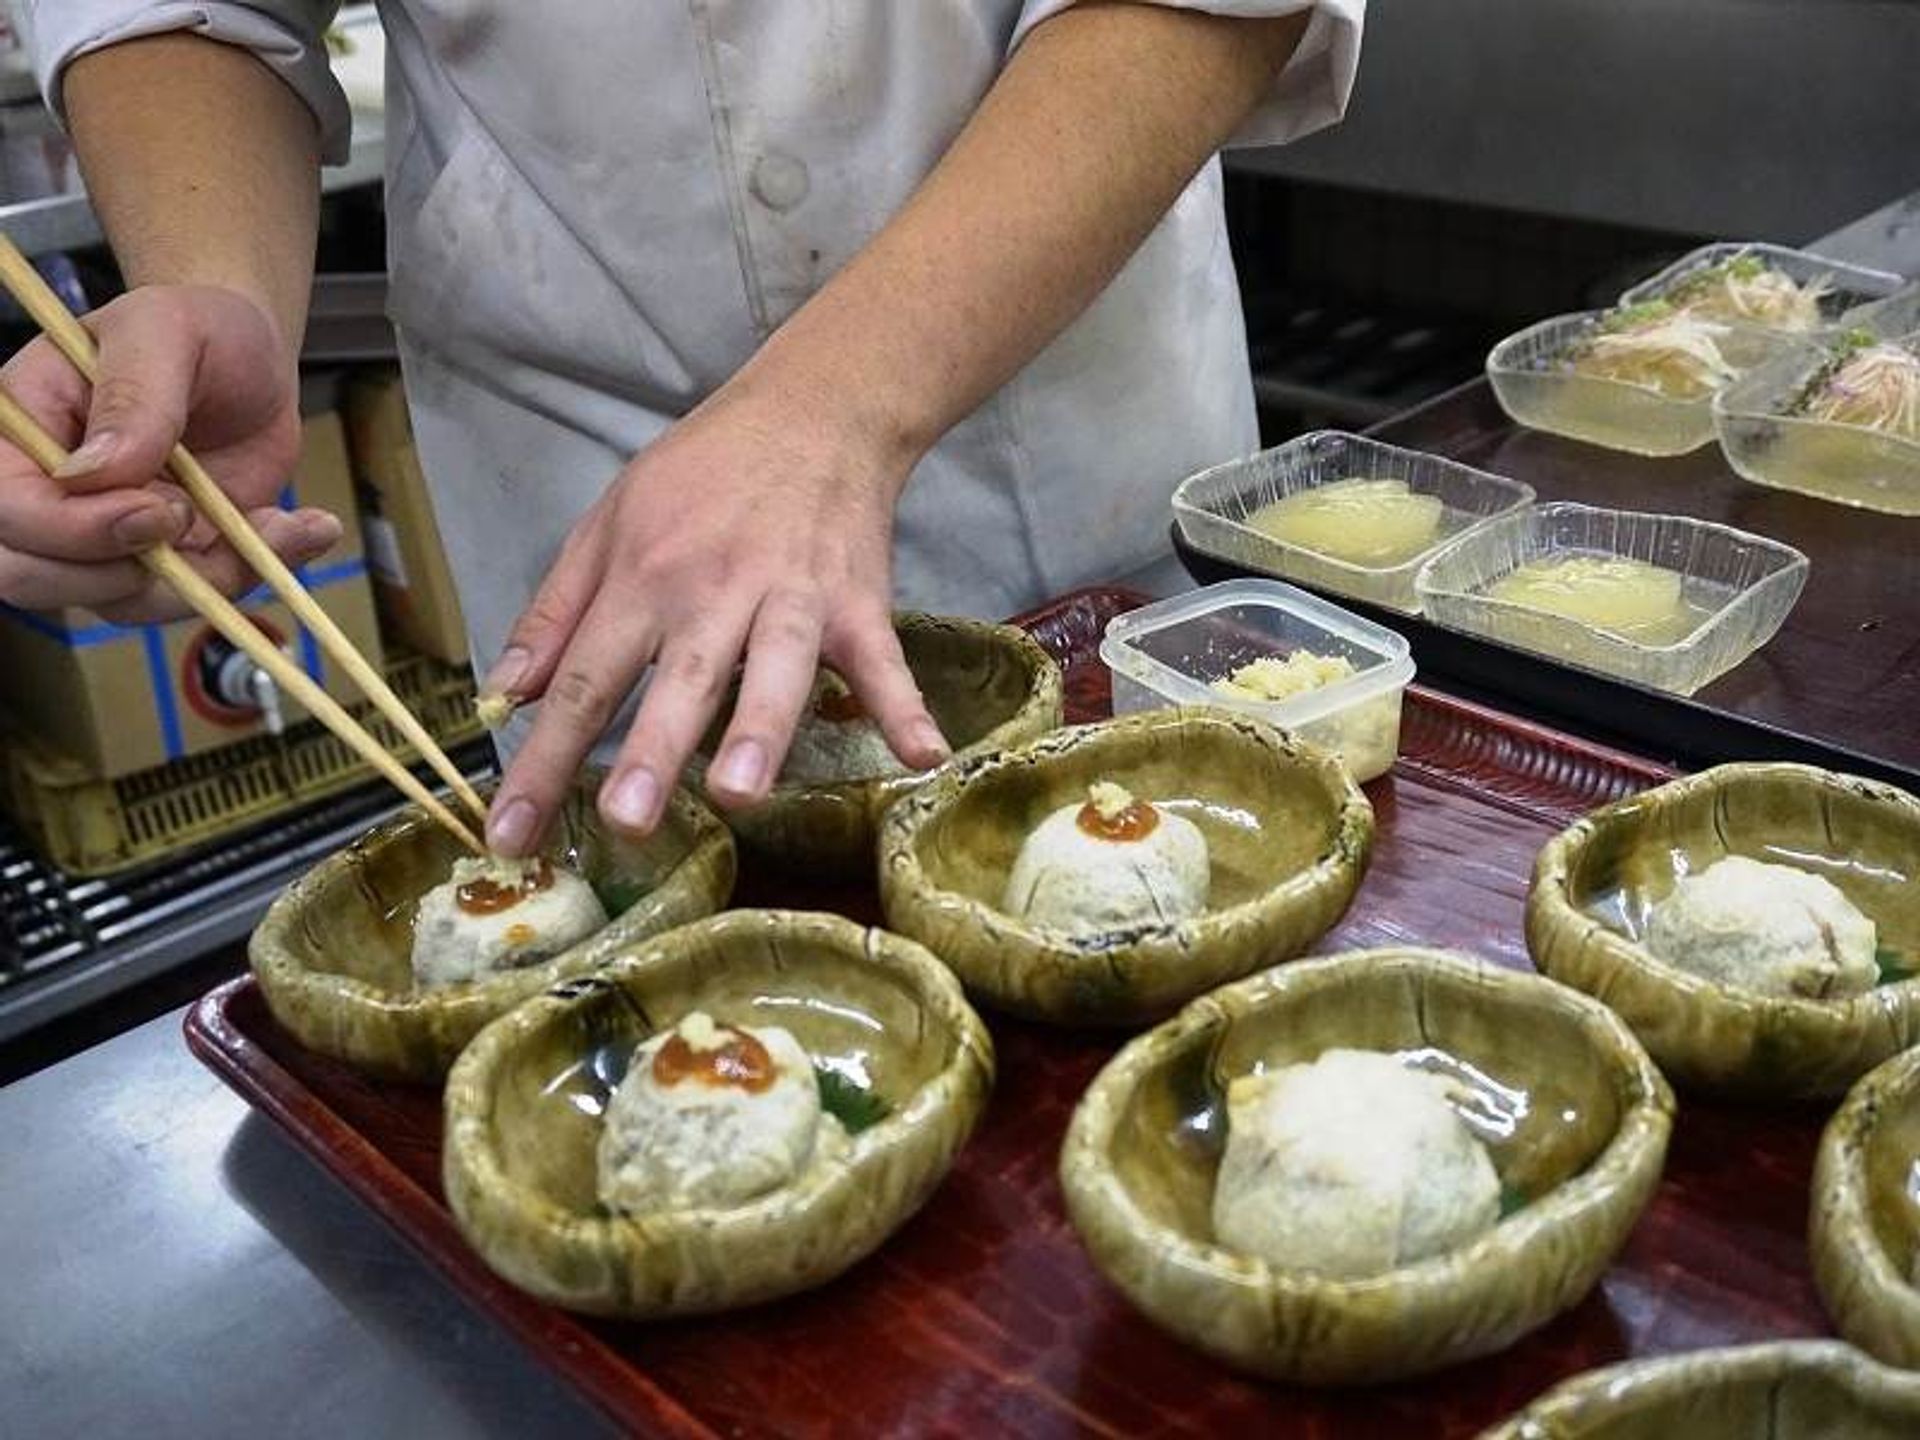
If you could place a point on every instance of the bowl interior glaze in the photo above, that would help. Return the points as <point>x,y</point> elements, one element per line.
<point>868,1027</point>
<point>974,677</point>
<point>1779,815</point>
<point>1533,1087</point>
<point>359,922</point>
<point>1265,816</point>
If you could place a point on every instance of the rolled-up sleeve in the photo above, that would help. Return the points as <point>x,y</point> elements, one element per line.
<point>1310,94</point>
<point>287,35</point>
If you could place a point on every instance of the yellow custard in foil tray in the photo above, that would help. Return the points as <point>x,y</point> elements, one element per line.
<point>1361,521</point>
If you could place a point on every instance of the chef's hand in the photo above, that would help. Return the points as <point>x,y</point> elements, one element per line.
<point>752,527</point>
<point>176,361</point>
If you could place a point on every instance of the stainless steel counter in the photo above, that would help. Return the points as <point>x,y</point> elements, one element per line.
<point>169,1265</point>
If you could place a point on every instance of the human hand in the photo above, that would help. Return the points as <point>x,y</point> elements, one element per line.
<point>752,527</point>
<point>197,363</point>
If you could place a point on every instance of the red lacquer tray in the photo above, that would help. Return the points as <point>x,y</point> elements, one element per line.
<point>982,1316</point>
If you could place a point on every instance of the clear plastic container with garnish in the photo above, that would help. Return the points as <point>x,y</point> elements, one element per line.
<point>1767,296</point>
<point>1274,652</point>
<point>1838,420</point>
<point>1639,379</point>
<point>1341,513</point>
<point>1662,600</point>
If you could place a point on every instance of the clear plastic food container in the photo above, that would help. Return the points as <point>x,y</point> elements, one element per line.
<point>1741,585</point>
<point>1533,387</point>
<point>1172,652</point>
<point>1752,343</point>
<point>1829,459</point>
<point>1898,314</point>
<point>1213,508</point>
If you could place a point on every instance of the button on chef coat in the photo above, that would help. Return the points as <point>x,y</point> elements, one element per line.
<point>598,210</point>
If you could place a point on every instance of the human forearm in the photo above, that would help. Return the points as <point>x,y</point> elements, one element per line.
<point>1093,129</point>
<point>204,169</point>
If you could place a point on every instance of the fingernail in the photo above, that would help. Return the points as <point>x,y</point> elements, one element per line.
<point>510,832</point>
<point>507,670</point>
<point>741,769</point>
<point>91,456</point>
<point>145,527</point>
<point>930,743</point>
<point>631,801</point>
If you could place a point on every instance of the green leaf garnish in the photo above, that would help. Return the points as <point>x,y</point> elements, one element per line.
<point>1893,965</point>
<point>1511,1199</point>
<point>1630,317</point>
<point>619,896</point>
<point>855,1106</point>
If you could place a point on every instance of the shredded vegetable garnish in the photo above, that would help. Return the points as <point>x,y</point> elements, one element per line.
<point>1875,385</point>
<point>1747,290</point>
<point>1657,347</point>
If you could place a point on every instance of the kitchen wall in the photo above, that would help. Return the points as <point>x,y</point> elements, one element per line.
<point>1773,118</point>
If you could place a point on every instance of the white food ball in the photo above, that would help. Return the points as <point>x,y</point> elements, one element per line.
<point>836,740</point>
<point>1068,877</point>
<point>1772,929</point>
<point>1350,1166</point>
<point>553,909</point>
<point>699,1142</point>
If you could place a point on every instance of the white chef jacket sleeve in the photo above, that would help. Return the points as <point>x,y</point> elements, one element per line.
<point>1311,92</point>
<point>287,35</point>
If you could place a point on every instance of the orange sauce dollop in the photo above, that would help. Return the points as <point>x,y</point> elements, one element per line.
<point>490,897</point>
<point>1136,822</point>
<point>742,1062</point>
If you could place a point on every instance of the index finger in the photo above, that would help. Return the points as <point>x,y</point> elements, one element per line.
<point>595,672</point>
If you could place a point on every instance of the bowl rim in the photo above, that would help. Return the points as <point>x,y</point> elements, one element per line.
<point>1500,365</point>
<point>468,1149</point>
<point>1044,691</point>
<point>1681,1372</point>
<point>1849,1256</point>
<point>1793,568</point>
<point>1645,1123</point>
<point>1557,928</point>
<point>1519,495</point>
<point>269,949</point>
<point>901,865</point>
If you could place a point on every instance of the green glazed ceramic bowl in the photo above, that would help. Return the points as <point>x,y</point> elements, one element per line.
<point>1288,832</point>
<point>1865,1217</point>
<point>331,954</point>
<point>523,1108</point>
<point>987,685</point>
<point>1574,1115</point>
<point>1788,1390</point>
<point>1595,883</point>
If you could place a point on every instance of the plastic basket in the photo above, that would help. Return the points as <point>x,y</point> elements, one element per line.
<point>89,826</point>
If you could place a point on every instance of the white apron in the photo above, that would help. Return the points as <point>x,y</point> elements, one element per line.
<point>597,210</point>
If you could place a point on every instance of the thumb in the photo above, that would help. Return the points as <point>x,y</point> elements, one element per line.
<point>138,408</point>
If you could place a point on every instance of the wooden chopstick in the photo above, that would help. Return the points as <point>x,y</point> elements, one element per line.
<point>26,433</point>
<point>50,313</point>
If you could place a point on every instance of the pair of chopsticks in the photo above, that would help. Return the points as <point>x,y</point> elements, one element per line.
<point>50,313</point>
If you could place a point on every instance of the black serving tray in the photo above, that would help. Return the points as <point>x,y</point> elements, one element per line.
<point>1839,686</point>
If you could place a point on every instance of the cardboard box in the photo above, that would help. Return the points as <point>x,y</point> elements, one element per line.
<point>118,699</point>
<point>411,578</point>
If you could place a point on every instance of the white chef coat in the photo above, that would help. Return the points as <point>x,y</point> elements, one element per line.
<point>598,210</point>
